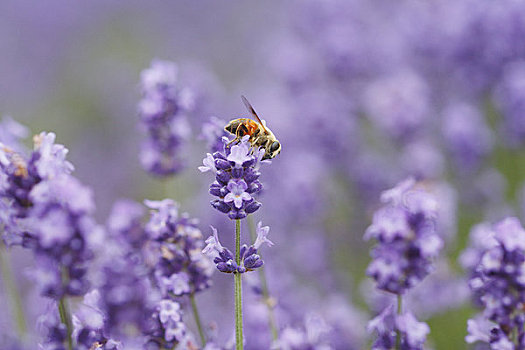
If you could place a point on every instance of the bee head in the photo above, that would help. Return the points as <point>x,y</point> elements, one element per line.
<point>272,150</point>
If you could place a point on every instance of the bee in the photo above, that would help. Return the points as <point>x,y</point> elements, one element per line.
<point>260,135</point>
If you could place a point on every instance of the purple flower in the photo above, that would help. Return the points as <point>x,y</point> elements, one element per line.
<point>237,193</point>
<point>59,226</point>
<point>51,157</point>
<point>510,97</point>
<point>170,316</point>
<point>387,325</point>
<point>236,182</point>
<point>313,334</point>
<point>500,283</point>
<point>88,323</point>
<point>125,223</point>
<point>175,250</point>
<point>162,111</point>
<point>405,229</point>
<point>127,296</point>
<point>398,104</point>
<point>249,259</point>
<point>466,136</point>
<point>19,175</point>
<point>262,233</point>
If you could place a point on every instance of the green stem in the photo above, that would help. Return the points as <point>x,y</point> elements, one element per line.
<point>399,310</point>
<point>12,293</point>
<point>238,289</point>
<point>197,319</point>
<point>65,318</point>
<point>268,301</point>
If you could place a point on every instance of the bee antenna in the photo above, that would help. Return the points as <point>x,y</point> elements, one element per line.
<point>252,111</point>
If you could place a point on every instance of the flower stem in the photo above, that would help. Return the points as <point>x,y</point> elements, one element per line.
<point>197,319</point>
<point>268,301</point>
<point>399,311</point>
<point>238,289</point>
<point>12,292</point>
<point>65,318</point>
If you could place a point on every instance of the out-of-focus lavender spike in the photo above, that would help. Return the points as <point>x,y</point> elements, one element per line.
<point>499,281</point>
<point>406,223</point>
<point>412,333</point>
<point>19,175</point>
<point>59,223</point>
<point>162,112</point>
<point>398,105</point>
<point>466,136</point>
<point>312,334</point>
<point>175,250</point>
<point>510,97</point>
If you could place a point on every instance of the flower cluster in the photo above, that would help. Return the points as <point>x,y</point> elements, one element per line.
<point>49,212</point>
<point>58,232</point>
<point>123,280</point>
<point>388,325</point>
<point>162,111</point>
<point>405,228</point>
<point>236,182</point>
<point>168,329</point>
<point>19,175</point>
<point>175,248</point>
<point>407,239</point>
<point>88,322</point>
<point>501,284</point>
<point>249,259</point>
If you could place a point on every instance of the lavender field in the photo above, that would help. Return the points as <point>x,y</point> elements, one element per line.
<point>379,203</point>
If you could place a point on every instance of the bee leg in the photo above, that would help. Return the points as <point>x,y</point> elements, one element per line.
<point>241,131</point>
<point>232,141</point>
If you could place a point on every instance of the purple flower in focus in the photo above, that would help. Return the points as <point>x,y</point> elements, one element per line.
<point>405,229</point>
<point>236,182</point>
<point>249,259</point>
<point>237,193</point>
<point>162,112</point>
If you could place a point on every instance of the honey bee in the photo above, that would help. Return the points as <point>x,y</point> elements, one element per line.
<point>260,135</point>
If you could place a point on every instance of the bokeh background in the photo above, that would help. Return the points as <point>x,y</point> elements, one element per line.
<point>361,94</point>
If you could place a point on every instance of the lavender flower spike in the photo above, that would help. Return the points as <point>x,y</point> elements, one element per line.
<point>236,182</point>
<point>405,229</point>
<point>500,281</point>
<point>162,112</point>
<point>175,248</point>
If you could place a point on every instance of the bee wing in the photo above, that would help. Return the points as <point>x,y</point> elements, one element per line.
<point>252,111</point>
